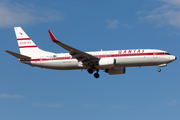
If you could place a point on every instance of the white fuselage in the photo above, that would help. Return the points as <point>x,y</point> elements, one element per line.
<point>123,58</point>
<point>113,62</point>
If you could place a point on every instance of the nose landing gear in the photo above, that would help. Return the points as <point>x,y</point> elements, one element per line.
<point>159,70</point>
<point>161,65</point>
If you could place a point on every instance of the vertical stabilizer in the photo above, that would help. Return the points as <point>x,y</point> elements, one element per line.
<point>26,45</point>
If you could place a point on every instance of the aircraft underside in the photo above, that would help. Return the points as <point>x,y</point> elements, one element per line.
<point>120,63</point>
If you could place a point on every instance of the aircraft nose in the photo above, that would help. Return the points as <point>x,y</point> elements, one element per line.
<point>173,58</point>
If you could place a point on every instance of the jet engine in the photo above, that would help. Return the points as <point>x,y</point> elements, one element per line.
<point>107,62</point>
<point>115,71</point>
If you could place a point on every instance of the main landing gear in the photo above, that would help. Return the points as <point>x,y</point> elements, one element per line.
<point>90,71</point>
<point>96,75</point>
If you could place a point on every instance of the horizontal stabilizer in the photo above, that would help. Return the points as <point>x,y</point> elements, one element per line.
<point>18,55</point>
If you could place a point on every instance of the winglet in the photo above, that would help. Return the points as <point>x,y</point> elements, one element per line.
<point>52,36</point>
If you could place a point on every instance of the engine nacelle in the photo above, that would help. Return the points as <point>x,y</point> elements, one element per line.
<point>114,71</point>
<point>107,62</point>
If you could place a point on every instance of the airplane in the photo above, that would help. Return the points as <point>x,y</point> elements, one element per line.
<point>113,62</point>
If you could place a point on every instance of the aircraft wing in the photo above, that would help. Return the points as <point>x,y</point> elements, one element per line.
<point>19,56</point>
<point>85,58</point>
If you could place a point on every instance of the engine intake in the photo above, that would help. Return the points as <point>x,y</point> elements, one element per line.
<point>107,62</point>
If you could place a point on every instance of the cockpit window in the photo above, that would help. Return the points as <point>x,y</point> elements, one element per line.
<point>166,53</point>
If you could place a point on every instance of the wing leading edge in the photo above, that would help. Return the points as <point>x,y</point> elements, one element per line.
<point>85,58</point>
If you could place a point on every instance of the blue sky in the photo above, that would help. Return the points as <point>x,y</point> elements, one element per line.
<point>28,93</point>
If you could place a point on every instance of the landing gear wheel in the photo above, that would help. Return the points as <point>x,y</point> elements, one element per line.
<point>90,71</point>
<point>159,70</point>
<point>96,75</point>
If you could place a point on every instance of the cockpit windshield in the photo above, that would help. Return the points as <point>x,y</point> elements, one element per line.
<point>166,53</point>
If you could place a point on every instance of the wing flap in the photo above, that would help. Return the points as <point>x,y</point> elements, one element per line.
<point>19,56</point>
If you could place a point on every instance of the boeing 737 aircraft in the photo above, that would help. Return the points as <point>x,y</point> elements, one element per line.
<point>113,62</point>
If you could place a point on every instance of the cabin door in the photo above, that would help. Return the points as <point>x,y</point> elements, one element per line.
<point>41,60</point>
<point>155,54</point>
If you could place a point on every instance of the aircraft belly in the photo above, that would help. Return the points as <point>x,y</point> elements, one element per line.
<point>120,62</point>
<point>139,61</point>
<point>60,64</point>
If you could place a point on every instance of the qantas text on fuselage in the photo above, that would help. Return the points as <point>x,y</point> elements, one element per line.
<point>113,62</point>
